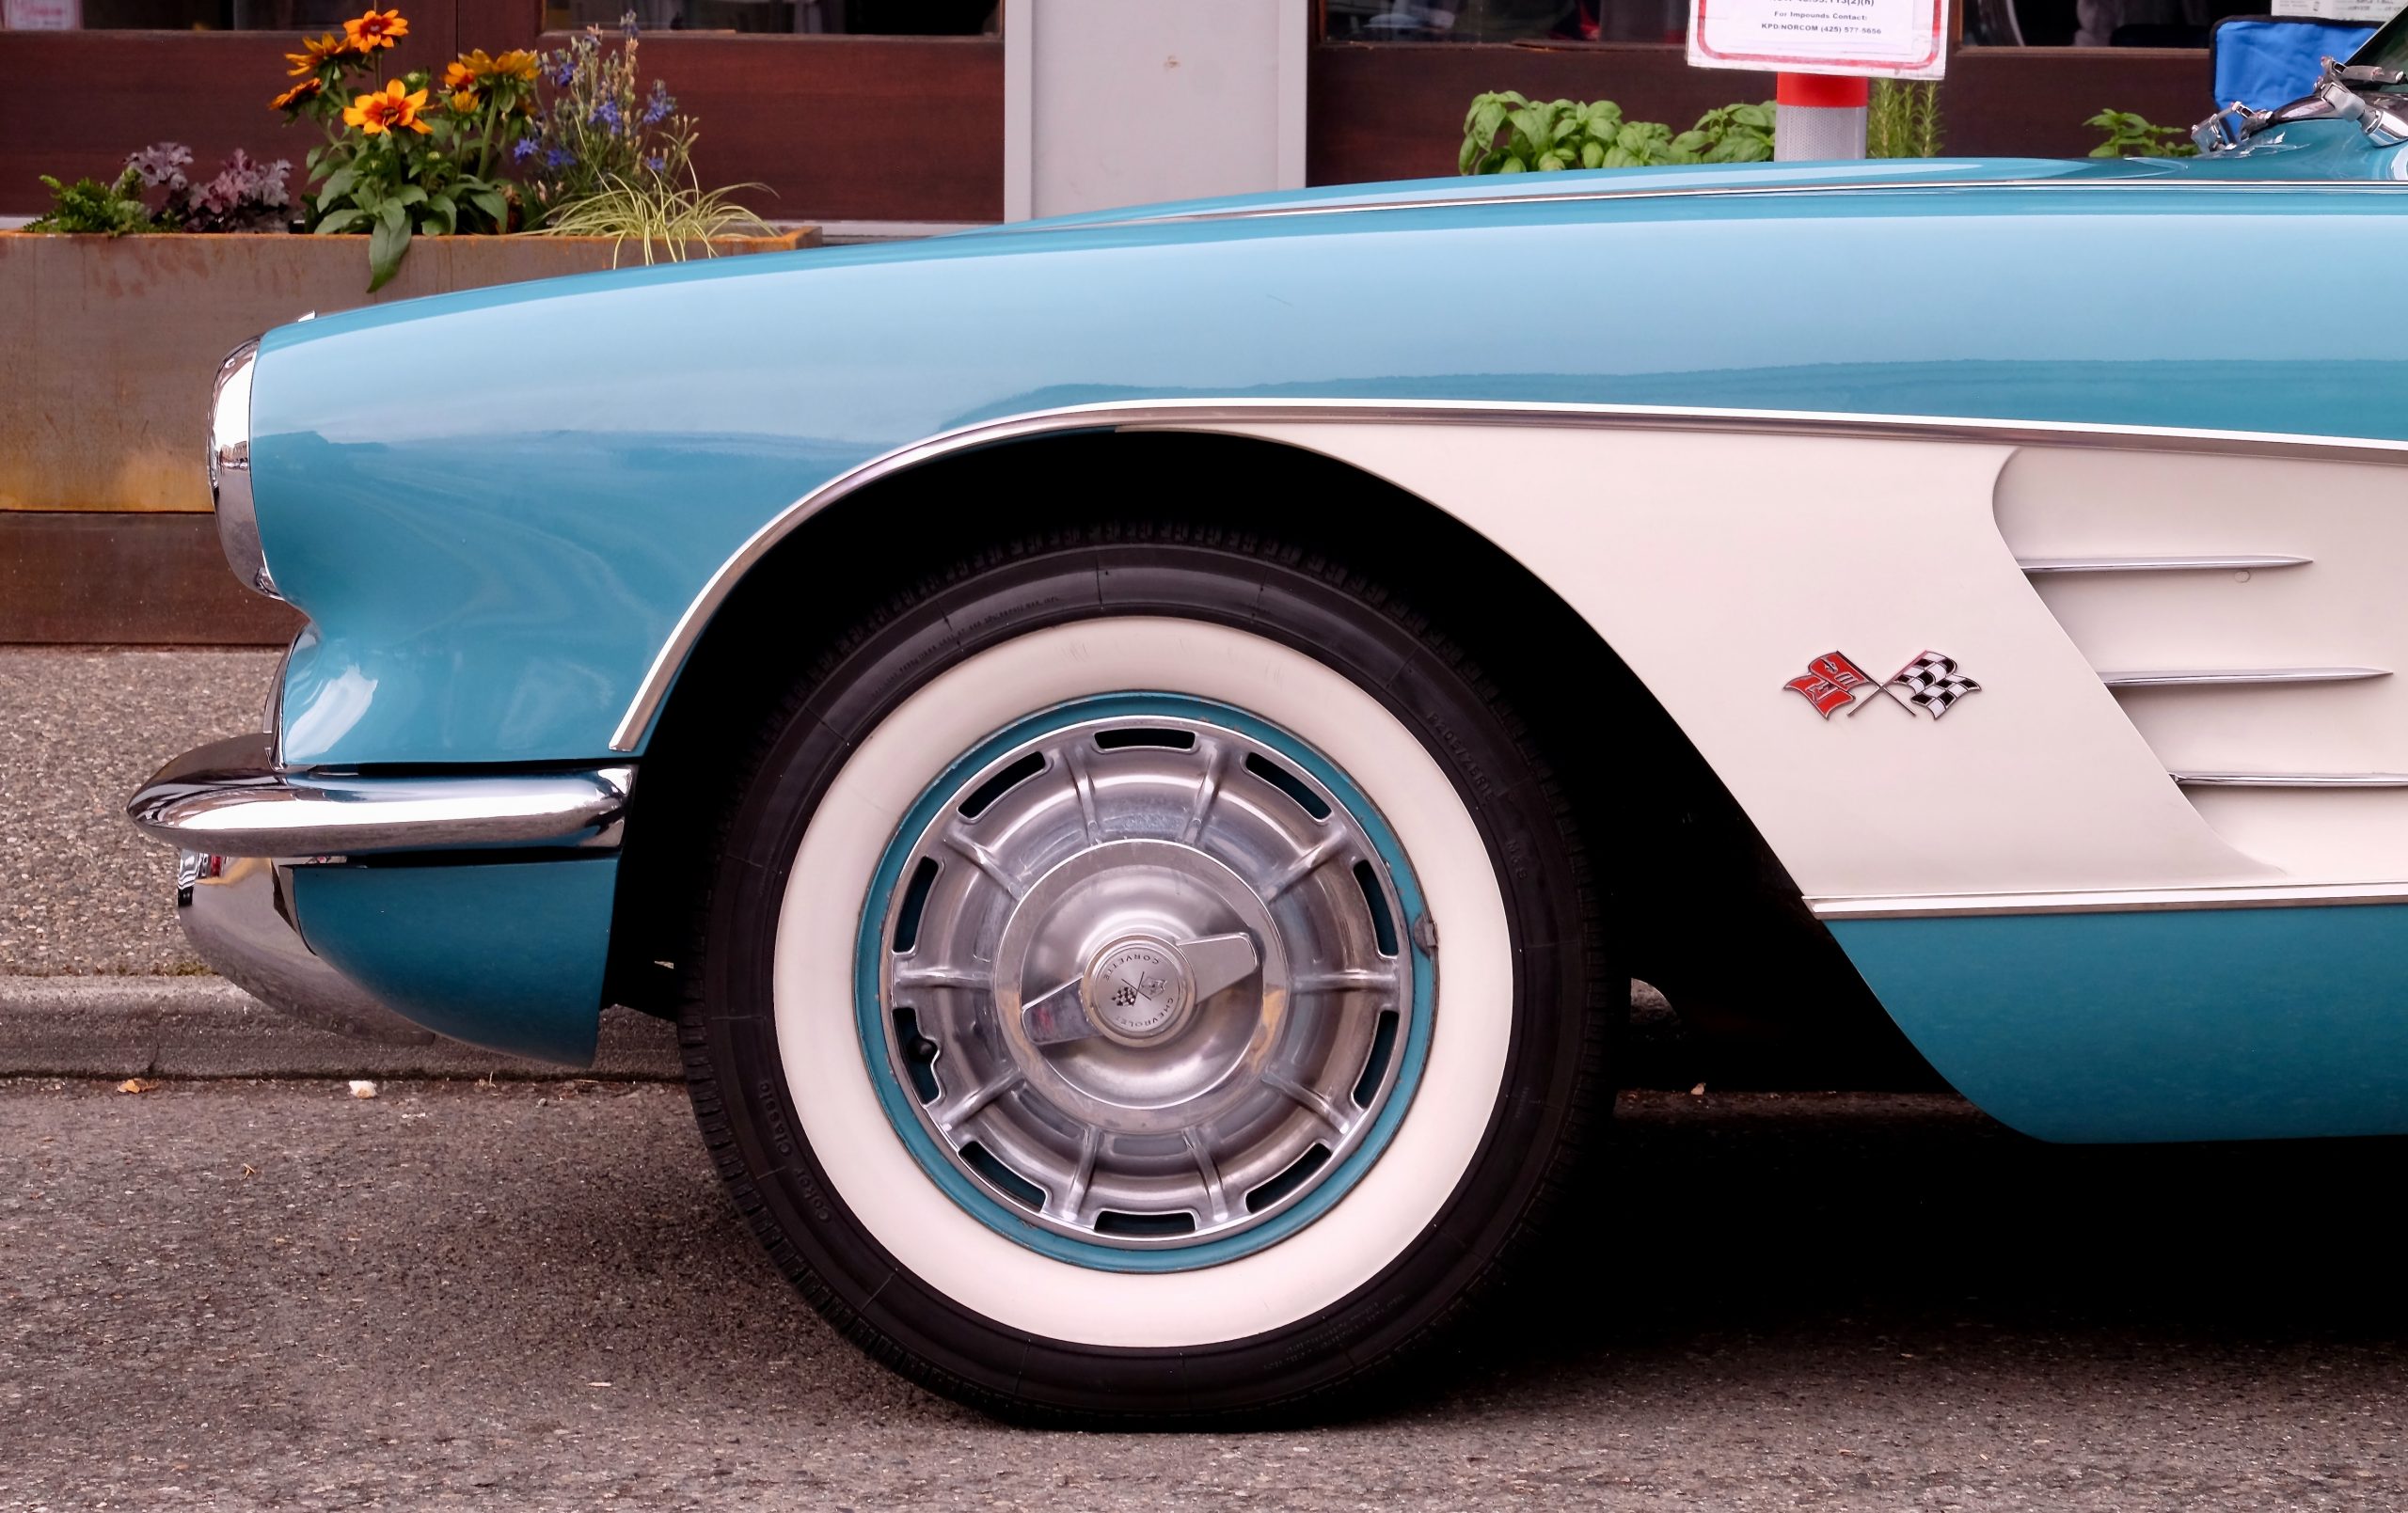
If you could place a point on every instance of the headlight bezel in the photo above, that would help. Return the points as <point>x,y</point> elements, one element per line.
<point>230,470</point>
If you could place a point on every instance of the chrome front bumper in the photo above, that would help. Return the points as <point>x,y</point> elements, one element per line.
<point>237,912</point>
<point>242,826</point>
<point>229,799</point>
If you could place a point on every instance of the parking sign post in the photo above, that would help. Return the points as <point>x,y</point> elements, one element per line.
<point>1821,117</point>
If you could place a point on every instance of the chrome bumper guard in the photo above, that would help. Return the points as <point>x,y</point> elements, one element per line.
<point>242,826</point>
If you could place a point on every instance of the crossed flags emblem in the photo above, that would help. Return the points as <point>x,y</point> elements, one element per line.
<point>1930,681</point>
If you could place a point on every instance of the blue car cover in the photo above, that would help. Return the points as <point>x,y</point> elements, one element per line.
<point>2265,61</point>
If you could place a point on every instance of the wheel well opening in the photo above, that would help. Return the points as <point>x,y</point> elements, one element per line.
<point>1702,907</point>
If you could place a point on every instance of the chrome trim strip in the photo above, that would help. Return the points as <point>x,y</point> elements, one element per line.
<point>2117,901</point>
<point>2037,565</point>
<point>2204,677</point>
<point>1188,413</point>
<point>2291,779</point>
<point>1718,192</point>
<point>230,470</point>
<point>225,799</point>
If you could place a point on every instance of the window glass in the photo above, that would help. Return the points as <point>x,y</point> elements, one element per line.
<point>887,18</point>
<point>1462,20</point>
<point>869,18</point>
<point>180,15</point>
<point>1994,22</point>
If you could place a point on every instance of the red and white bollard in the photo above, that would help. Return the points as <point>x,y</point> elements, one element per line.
<point>1821,118</point>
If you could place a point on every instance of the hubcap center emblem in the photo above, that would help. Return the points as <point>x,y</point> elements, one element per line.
<point>1137,988</point>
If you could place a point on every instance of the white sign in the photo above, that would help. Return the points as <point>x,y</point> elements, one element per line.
<point>1887,38</point>
<point>43,15</point>
<point>2375,12</point>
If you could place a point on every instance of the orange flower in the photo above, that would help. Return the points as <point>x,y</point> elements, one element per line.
<point>316,51</point>
<point>517,64</point>
<point>375,114</point>
<point>465,73</point>
<point>306,90</point>
<point>378,28</point>
<point>462,102</point>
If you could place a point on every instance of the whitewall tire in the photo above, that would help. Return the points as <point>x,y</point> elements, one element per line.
<point>1168,999</point>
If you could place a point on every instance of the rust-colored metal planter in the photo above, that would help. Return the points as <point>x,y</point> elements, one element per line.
<point>111,342</point>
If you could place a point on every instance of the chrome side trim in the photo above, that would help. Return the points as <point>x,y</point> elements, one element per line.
<point>1201,414</point>
<point>2291,779</point>
<point>2245,563</point>
<point>230,470</point>
<point>1719,191</point>
<point>2121,901</point>
<point>225,799</point>
<point>2201,677</point>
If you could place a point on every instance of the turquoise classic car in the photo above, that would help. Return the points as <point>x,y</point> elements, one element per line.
<point>1143,763</point>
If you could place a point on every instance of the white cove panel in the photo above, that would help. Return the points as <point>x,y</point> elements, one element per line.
<point>1718,565</point>
<point>2343,607</point>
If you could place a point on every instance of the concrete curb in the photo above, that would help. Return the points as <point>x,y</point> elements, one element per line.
<point>202,1027</point>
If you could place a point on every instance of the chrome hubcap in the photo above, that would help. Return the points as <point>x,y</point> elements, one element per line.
<point>1143,980</point>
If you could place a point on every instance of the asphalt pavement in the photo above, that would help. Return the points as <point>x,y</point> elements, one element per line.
<point>79,729</point>
<point>220,1294</point>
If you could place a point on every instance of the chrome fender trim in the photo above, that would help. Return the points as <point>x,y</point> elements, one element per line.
<point>229,800</point>
<point>1191,414</point>
<point>2109,901</point>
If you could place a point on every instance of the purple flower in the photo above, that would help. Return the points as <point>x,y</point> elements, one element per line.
<point>567,73</point>
<point>523,148</point>
<point>608,113</point>
<point>656,163</point>
<point>559,157</point>
<point>162,163</point>
<point>658,105</point>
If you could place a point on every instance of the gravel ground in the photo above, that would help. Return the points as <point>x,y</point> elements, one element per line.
<point>78,729</point>
<point>272,1295</point>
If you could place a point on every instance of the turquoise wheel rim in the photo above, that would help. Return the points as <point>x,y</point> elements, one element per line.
<point>1035,1218</point>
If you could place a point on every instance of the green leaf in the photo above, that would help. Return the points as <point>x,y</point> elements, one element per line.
<point>1511,165</point>
<point>410,195</point>
<point>339,184</point>
<point>493,204</point>
<point>340,220</point>
<point>386,244</point>
<point>1592,155</point>
<point>1487,121</point>
<point>440,208</point>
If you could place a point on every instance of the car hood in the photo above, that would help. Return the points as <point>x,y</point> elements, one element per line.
<point>2302,150</point>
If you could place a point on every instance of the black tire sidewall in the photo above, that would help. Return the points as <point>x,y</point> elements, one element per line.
<point>742,1091</point>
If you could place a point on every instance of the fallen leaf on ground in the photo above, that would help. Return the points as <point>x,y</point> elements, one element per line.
<point>137,1084</point>
<point>361,1088</point>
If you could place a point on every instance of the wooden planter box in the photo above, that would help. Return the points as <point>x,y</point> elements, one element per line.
<point>111,342</point>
